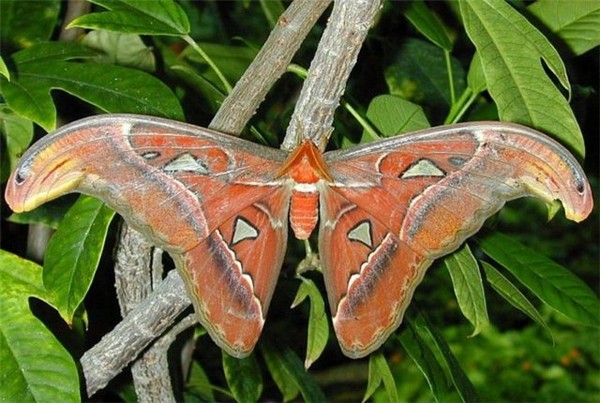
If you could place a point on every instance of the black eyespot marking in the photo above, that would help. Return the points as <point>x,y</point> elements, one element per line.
<point>19,178</point>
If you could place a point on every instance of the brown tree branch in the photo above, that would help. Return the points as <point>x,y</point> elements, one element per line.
<point>329,71</point>
<point>134,333</point>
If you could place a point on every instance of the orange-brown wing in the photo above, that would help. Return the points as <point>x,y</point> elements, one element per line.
<point>397,204</point>
<point>205,197</point>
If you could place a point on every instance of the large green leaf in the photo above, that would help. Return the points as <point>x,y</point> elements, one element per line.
<point>4,69</point>
<point>420,74</point>
<point>427,362</point>
<point>198,385</point>
<point>35,366</point>
<point>158,17</point>
<point>288,372</point>
<point>428,24</point>
<point>433,338</point>
<point>577,23</point>
<point>74,252</point>
<point>511,52</point>
<point>468,287</point>
<point>379,372</point>
<point>110,88</point>
<point>51,52</point>
<point>318,326</point>
<point>18,133</point>
<point>24,23</point>
<point>122,49</point>
<point>549,281</point>
<point>392,115</point>
<point>513,295</point>
<point>243,377</point>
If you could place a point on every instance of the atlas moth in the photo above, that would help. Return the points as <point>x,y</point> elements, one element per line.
<point>220,206</point>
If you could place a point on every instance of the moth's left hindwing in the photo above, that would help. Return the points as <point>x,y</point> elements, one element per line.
<point>205,197</point>
<point>397,204</point>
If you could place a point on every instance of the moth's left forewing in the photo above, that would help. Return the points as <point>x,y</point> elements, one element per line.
<point>212,201</point>
<point>420,196</point>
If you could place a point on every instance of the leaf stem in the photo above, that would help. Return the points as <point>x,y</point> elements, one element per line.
<point>210,62</point>
<point>368,128</point>
<point>461,106</point>
<point>450,77</point>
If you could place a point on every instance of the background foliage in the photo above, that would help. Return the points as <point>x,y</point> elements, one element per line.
<point>418,68</point>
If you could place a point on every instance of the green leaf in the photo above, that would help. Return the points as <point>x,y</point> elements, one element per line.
<point>318,326</point>
<point>420,75</point>
<point>122,49</point>
<point>158,17</point>
<point>428,24</point>
<point>392,115</point>
<point>232,61</point>
<point>24,23</point>
<point>475,77</point>
<point>208,91</point>
<point>18,133</point>
<point>74,252</point>
<point>468,287</point>
<point>287,371</point>
<point>51,52</point>
<point>550,282</point>
<point>198,384</point>
<point>513,295</point>
<point>35,366</point>
<point>459,379</point>
<point>379,371</point>
<point>281,374</point>
<point>3,69</point>
<point>577,23</point>
<point>243,377</point>
<point>422,355</point>
<point>511,50</point>
<point>110,88</point>
<point>50,214</point>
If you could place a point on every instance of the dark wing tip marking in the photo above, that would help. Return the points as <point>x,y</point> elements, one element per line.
<point>20,177</point>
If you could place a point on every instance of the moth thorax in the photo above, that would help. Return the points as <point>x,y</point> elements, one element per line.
<point>304,210</point>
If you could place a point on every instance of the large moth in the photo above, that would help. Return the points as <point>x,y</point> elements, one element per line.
<point>221,205</point>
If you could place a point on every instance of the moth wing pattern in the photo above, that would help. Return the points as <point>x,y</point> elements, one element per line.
<point>398,204</point>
